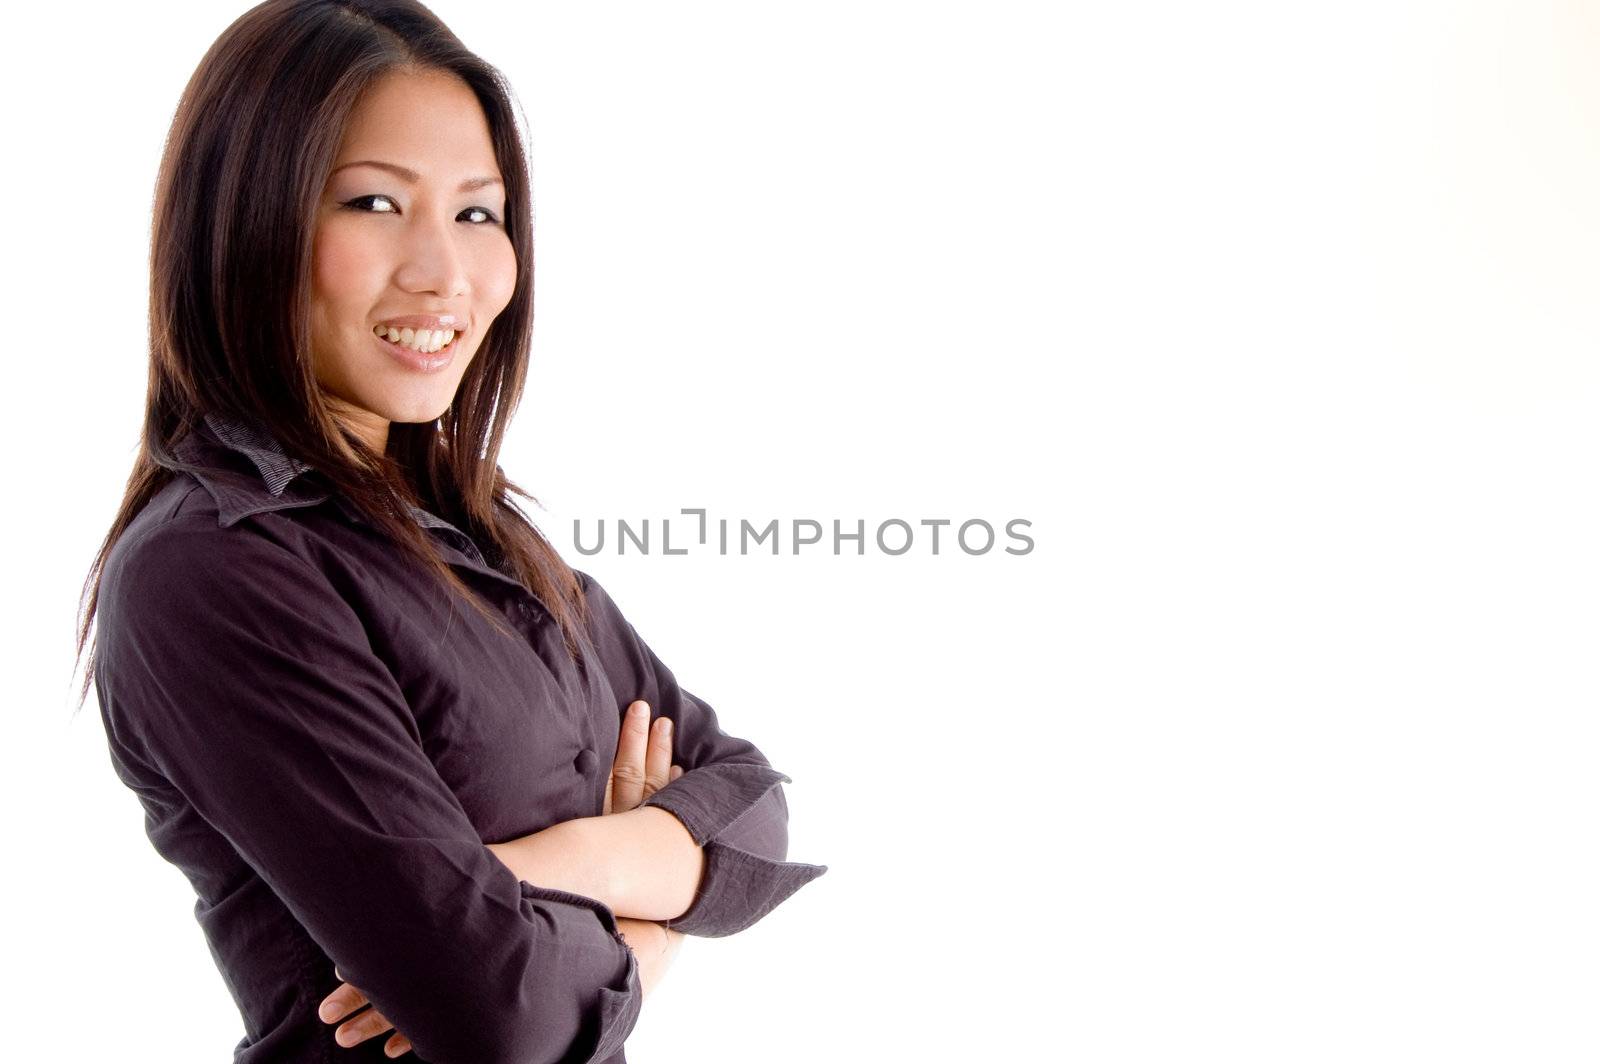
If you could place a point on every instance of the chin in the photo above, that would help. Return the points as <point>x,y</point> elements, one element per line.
<point>412,405</point>
<point>409,414</point>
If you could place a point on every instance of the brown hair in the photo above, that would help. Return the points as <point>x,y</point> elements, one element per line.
<point>245,165</point>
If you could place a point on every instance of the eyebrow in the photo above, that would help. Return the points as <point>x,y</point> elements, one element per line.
<point>471,184</point>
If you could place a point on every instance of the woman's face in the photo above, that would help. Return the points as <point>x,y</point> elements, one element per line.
<point>419,234</point>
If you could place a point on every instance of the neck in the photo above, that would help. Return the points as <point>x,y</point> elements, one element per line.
<point>372,429</point>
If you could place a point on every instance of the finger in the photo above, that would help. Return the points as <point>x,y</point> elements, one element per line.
<point>341,1003</point>
<point>366,1025</point>
<point>627,772</point>
<point>677,770</point>
<point>605,807</point>
<point>658,758</point>
<point>397,1046</point>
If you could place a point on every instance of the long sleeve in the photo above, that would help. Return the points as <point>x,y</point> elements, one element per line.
<point>729,796</point>
<point>233,668</point>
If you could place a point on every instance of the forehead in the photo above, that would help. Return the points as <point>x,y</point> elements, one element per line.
<point>430,122</point>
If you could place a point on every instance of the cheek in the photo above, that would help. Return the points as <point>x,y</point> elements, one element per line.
<point>341,264</point>
<point>495,278</point>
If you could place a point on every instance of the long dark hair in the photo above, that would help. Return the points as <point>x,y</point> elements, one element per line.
<point>246,160</point>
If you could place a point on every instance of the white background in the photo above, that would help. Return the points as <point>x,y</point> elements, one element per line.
<point>1277,321</point>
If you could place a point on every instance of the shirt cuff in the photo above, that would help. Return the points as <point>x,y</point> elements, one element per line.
<point>619,1006</point>
<point>738,885</point>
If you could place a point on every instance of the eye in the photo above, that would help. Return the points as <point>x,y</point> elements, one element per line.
<point>356,205</point>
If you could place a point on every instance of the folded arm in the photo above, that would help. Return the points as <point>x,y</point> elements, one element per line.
<point>642,863</point>
<point>234,669</point>
<point>728,799</point>
<point>655,946</point>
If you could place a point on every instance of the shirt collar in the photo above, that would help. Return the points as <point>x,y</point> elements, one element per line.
<point>280,482</point>
<point>275,480</point>
<point>251,439</point>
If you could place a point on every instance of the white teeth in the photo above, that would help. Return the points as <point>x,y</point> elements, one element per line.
<point>424,340</point>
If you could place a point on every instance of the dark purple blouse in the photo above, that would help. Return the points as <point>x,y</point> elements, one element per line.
<point>323,747</point>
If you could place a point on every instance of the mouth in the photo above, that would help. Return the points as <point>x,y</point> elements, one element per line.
<point>427,349</point>
<point>422,341</point>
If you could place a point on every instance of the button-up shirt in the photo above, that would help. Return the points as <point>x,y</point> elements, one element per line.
<point>323,744</point>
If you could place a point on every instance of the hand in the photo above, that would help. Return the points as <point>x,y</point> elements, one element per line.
<point>644,760</point>
<point>655,946</point>
<point>345,1000</point>
<point>643,765</point>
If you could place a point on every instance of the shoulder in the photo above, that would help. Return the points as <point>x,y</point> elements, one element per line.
<point>598,601</point>
<point>175,553</point>
<point>590,587</point>
<point>613,636</point>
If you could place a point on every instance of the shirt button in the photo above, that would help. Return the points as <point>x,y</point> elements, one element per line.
<point>585,761</point>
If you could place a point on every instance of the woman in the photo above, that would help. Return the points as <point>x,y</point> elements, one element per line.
<point>362,701</point>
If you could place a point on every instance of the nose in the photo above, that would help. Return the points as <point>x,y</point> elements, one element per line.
<point>433,261</point>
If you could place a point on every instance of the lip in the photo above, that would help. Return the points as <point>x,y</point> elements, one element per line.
<point>432,362</point>
<point>424,321</point>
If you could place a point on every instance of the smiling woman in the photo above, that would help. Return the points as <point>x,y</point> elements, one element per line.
<point>468,811</point>
<point>411,246</point>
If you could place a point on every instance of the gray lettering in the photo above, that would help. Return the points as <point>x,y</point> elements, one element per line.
<point>798,542</point>
<point>934,523</point>
<point>624,529</point>
<point>746,528</point>
<point>884,546</point>
<point>859,535</point>
<point>702,514</point>
<point>1018,535</point>
<point>666,539</point>
<point>961,535</point>
<point>577,537</point>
